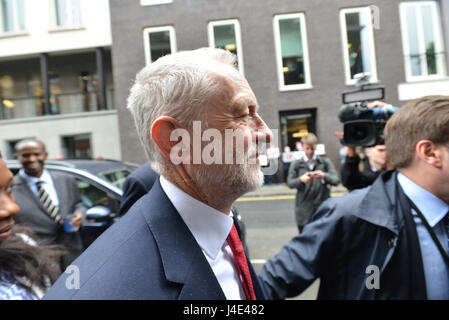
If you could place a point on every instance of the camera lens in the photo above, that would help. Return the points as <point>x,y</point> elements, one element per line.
<point>360,133</point>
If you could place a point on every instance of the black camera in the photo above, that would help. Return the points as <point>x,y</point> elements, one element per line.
<point>363,126</point>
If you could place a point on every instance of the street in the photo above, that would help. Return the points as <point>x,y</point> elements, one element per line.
<point>270,223</point>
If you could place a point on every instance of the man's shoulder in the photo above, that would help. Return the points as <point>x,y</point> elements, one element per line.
<point>120,264</point>
<point>346,205</point>
<point>18,179</point>
<point>144,174</point>
<point>324,158</point>
<point>60,175</point>
<point>123,263</point>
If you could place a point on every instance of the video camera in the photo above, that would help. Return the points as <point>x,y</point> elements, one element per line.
<point>363,126</point>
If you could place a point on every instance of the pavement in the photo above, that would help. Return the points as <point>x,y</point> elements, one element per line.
<point>282,190</point>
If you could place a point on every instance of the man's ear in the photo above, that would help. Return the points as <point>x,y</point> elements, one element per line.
<point>160,132</point>
<point>430,153</point>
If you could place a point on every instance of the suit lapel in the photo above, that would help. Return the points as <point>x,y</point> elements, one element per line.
<point>182,258</point>
<point>25,189</point>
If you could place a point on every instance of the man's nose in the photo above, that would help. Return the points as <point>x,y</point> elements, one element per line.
<point>263,132</point>
<point>31,158</point>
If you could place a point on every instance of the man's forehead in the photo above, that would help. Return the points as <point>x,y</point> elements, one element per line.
<point>30,145</point>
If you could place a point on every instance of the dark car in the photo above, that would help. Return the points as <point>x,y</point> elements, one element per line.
<point>100,184</point>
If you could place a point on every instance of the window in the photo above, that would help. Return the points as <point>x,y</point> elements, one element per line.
<point>10,147</point>
<point>358,43</point>
<point>92,196</point>
<point>12,16</point>
<point>226,35</point>
<point>77,146</point>
<point>67,13</point>
<point>116,177</point>
<point>158,41</point>
<point>422,40</point>
<point>154,2</point>
<point>292,52</point>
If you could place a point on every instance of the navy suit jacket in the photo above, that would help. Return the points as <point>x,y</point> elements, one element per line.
<point>149,254</point>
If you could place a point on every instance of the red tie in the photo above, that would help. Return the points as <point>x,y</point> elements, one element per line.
<point>242,264</point>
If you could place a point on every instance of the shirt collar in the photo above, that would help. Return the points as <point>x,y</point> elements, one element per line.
<point>307,159</point>
<point>433,208</point>
<point>32,180</point>
<point>209,227</point>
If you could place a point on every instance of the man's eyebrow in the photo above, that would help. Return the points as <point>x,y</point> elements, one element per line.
<point>244,101</point>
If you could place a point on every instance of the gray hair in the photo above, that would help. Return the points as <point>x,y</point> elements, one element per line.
<point>176,85</point>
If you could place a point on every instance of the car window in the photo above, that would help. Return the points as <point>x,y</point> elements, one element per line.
<point>115,177</point>
<point>93,196</point>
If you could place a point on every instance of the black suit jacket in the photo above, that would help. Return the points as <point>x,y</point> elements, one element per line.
<point>139,182</point>
<point>149,254</point>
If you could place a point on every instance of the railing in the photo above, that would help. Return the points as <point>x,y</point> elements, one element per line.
<point>426,64</point>
<point>60,104</point>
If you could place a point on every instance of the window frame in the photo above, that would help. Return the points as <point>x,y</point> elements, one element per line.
<point>438,33</point>
<point>278,50</point>
<point>238,38</point>
<point>16,21</point>
<point>54,18</point>
<point>374,78</point>
<point>146,40</point>
<point>154,2</point>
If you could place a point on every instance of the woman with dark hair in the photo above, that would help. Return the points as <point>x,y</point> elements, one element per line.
<point>26,269</point>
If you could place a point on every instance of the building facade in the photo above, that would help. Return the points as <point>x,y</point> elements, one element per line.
<point>56,81</point>
<point>298,56</point>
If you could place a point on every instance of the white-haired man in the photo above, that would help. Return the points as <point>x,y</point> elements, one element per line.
<point>178,241</point>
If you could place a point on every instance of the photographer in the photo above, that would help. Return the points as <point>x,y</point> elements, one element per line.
<point>374,162</point>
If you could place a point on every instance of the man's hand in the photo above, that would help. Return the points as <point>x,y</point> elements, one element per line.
<point>318,174</point>
<point>375,104</point>
<point>306,177</point>
<point>76,221</point>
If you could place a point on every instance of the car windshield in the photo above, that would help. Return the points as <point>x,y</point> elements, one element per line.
<point>115,177</point>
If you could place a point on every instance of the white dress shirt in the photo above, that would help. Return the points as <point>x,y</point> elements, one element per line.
<point>210,228</point>
<point>311,162</point>
<point>434,210</point>
<point>47,184</point>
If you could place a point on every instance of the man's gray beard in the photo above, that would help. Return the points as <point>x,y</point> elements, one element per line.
<point>233,179</point>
